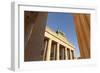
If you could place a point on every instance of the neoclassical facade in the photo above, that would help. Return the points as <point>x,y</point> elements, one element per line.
<point>56,46</point>
<point>34,31</point>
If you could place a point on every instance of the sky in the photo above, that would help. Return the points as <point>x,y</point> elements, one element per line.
<point>66,23</point>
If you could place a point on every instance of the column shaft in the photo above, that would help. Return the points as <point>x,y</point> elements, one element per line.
<point>54,52</point>
<point>45,47</point>
<point>70,55</point>
<point>57,51</point>
<point>48,50</point>
<point>66,53</point>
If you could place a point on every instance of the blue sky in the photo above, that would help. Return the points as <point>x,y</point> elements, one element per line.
<point>66,23</point>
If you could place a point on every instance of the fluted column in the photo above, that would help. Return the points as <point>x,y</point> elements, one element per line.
<point>66,57</point>
<point>82,25</point>
<point>54,51</point>
<point>57,51</point>
<point>48,50</point>
<point>45,47</point>
<point>70,54</point>
<point>34,37</point>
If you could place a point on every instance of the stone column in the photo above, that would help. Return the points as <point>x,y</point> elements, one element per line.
<point>45,47</point>
<point>57,51</point>
<point>54,52</point>
<point>63,53</point>
<point>66,53</point>
<point>35,23</point>
<point>48,50</point>
<point>82,26</point>
<point>70,54</point>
